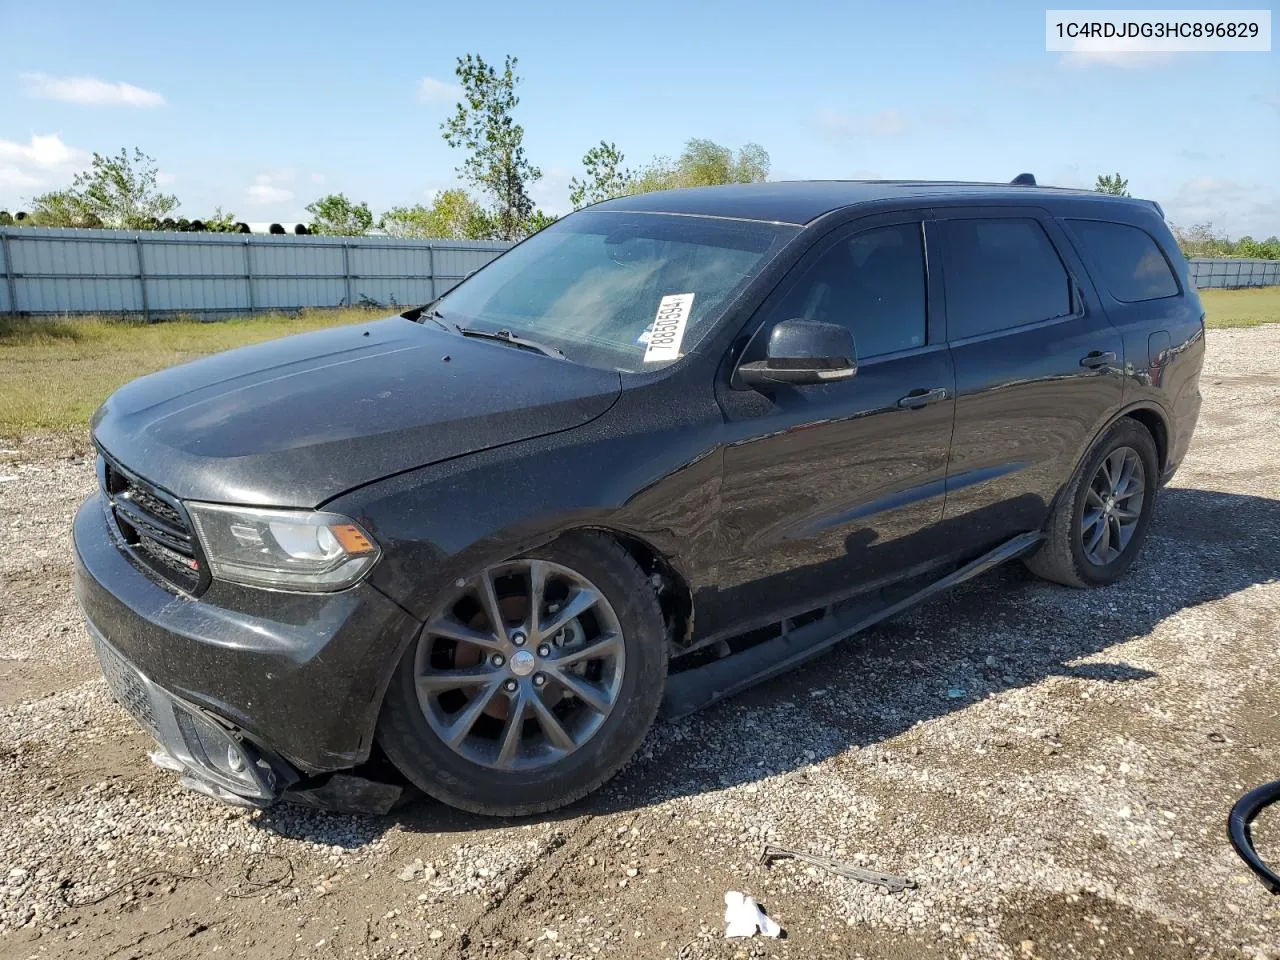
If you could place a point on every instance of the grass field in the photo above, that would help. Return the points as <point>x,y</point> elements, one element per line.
<point>54,373</point>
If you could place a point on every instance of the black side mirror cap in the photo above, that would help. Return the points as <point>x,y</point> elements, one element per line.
<point>802,353</point>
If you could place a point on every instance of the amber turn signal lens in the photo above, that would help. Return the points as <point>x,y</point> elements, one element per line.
<point>351,538</point>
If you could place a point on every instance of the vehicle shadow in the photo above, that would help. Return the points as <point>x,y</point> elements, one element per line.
<point>1000,631</point>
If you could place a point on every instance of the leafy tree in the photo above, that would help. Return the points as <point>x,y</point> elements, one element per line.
<point>337,216</point>
<point>1113,184</point>
<point>119,192</point>
<point>57,208</point>
<point>1204,240</point>
<point>453,215</point>
<point>539,220</point>
<point>221,222</point>
<point>484,127</point>
<point>605,176</point>
<point>703,163</point>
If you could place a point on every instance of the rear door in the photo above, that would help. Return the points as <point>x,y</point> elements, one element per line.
<point>1038,368</point>
<point>832,486</point>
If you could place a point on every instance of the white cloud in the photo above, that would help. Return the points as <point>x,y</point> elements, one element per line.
<point>45,152</point>
<point>90,90</point>
<point>317,178</point>
<point>551,193</point>
<point>431,90</point>
<point>16,177</point>
<point>1236,208</point>
<point>266,188</point>
<point>164,178</point>
<point>1089,53</point>
<point>37,163</point>
<point>882,124</point>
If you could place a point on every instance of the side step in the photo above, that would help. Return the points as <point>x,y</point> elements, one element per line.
<point>691,690</point>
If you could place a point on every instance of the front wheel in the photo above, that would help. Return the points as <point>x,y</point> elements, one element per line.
<point>1101,519</point>
<point>533,683</point>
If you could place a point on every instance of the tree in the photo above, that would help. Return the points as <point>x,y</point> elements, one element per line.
<point>703,163</point>
<point>453,215</point>
<point>484,127</point>
<point>1113,184</point>
<point>337,216</point>
<point>57,208</point>
<point>221,222</point>
<point>605,177</point>
<point>119,192</point>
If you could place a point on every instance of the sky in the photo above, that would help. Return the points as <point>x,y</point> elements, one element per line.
<point>260,108</point>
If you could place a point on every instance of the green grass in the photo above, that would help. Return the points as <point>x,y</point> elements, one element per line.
<point>55,372</point>
<point>1241,308</point>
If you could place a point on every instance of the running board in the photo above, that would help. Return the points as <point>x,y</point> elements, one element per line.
<point>698,687</point>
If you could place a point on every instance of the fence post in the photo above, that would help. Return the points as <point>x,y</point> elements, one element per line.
<point>248,273</point>
<point>431,269</point>
<point>346,270</point>
<point>8,272</point>
<point>142,278</point>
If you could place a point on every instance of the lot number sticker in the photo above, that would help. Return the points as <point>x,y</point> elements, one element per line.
<point>668,328</point>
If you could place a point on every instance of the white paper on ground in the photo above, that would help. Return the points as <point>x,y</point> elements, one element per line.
<point>743,917</point>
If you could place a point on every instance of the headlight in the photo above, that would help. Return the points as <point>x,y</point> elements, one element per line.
<point>284,549</point>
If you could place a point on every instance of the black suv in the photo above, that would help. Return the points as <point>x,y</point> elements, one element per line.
<point>665,448</point>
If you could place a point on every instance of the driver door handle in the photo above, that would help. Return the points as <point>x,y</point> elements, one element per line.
<point>921,397</point>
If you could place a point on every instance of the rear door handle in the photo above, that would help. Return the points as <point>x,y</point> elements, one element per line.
<point>1098,358</point>
<point>922,398</point>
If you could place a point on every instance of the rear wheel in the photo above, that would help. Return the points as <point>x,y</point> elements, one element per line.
<point>1100,521</point>
<point>533,683</point>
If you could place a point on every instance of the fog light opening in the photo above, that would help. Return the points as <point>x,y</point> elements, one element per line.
<point>235,759</point>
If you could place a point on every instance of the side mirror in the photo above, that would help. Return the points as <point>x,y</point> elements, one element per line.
<point>802,352</point>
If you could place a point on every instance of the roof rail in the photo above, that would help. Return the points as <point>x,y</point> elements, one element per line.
<point>1024,180</point>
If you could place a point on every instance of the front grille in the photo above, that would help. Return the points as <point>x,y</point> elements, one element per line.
<point>153,525</point>
<point>127,685</point>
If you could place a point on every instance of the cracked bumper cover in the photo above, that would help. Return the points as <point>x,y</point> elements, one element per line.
<point>291,683</point>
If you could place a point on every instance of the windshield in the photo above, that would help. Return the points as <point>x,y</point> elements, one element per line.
<point>595,284</point>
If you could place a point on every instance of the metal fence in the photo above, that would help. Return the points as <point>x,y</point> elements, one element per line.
<point>1207,272</point>
<point>153,274</point>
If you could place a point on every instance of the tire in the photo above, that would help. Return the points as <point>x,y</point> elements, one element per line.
<point>488,778</point>
<point>1064,556</point>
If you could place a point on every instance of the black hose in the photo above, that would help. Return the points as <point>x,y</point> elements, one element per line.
<point>1243,813</point>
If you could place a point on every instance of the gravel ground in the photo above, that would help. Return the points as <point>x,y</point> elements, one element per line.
<point>1053,767</point>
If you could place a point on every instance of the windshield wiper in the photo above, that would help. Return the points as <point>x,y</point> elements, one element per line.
<point>506,336</point>
<point>418,314</point>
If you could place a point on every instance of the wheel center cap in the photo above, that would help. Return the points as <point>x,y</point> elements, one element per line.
<point>522,663</point>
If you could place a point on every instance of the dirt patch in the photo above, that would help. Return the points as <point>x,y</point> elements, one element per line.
<point>1052,767</point>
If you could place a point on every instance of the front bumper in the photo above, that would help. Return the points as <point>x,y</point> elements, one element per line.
<point>291,684</point>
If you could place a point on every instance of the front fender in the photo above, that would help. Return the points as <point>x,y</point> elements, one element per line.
<point>443,522</point>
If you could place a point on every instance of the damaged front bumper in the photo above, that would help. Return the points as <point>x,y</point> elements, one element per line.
<point>210,757</point>
<point>250,693</point>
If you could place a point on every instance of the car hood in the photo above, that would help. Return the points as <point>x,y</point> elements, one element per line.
<point>297,421</point>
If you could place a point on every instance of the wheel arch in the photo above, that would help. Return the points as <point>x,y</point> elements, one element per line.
<point>1153,419</point>
<point>675,596</point>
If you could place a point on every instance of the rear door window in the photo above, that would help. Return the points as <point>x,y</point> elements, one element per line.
<point>1001,274</point>
<point>1131,265</point>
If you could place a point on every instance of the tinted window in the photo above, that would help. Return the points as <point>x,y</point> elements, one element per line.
<point>1132,266</point>
<point>1001,274</point>
<point>591,283</point>
<point>873,283</point>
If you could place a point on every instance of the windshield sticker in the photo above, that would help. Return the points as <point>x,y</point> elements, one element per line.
<point>667,331</point>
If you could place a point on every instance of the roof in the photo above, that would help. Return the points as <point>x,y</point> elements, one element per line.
<point>802,201</point>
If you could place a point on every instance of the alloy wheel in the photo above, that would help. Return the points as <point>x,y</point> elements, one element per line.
<point>1113,505</point>
<point>521,666</point>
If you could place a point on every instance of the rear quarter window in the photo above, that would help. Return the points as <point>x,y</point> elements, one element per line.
<point>1127,258</point>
